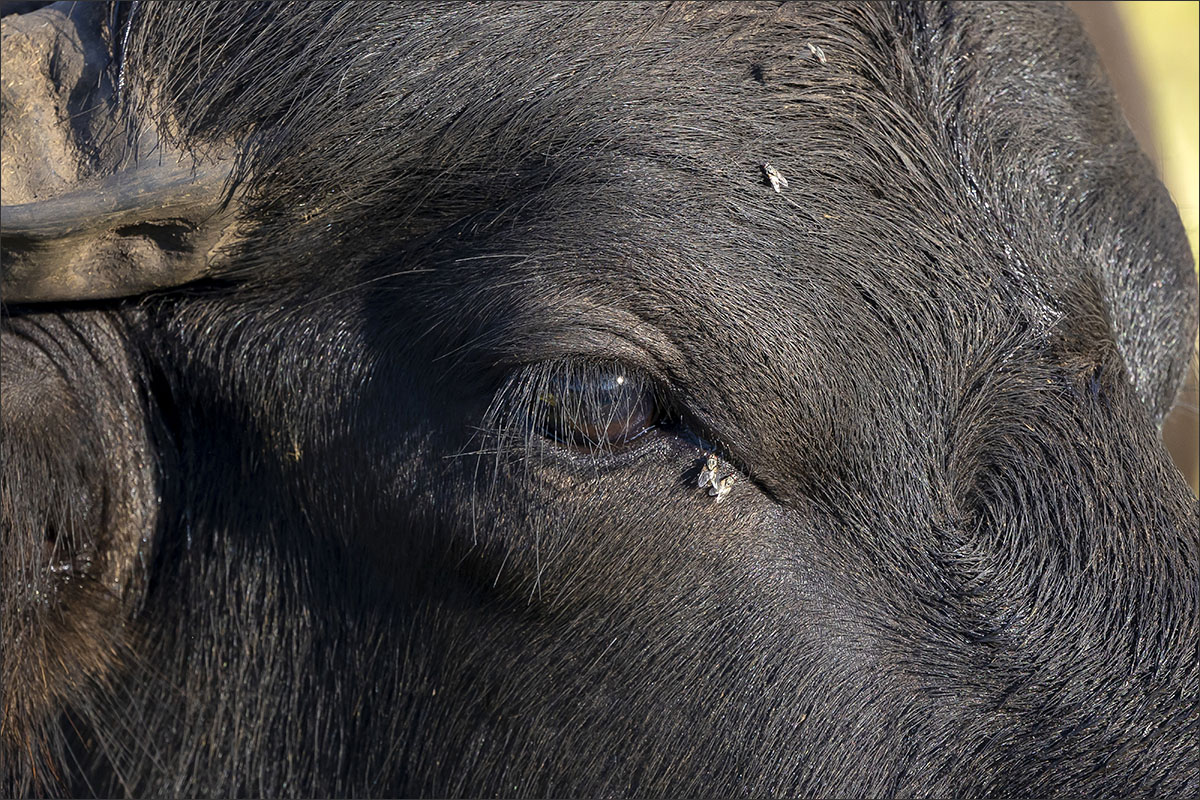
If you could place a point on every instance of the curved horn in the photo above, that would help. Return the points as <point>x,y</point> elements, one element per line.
<point>119,232</point>
<point>146,228</point>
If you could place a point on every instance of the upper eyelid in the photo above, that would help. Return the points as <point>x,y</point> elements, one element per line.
<point>571,349</point>
<point>583,330</point>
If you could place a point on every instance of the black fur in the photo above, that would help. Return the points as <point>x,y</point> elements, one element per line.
<point>958,561</point>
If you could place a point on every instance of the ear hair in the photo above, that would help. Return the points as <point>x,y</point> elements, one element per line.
<point>79,508</point>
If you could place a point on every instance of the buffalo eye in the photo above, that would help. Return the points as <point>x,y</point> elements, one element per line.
<point>594,405</point>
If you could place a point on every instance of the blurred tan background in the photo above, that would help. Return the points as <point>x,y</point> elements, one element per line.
<point>1150,50</point>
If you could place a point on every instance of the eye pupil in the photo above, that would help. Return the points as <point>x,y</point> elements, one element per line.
<point>596,405</point>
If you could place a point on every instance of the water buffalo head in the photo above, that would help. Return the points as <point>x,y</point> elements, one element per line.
<point>606,399</point>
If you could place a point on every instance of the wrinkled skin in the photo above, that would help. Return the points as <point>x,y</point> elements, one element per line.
<point>307,539</point>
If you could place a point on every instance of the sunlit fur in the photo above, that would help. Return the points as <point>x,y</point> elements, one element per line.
<point>957,562</point>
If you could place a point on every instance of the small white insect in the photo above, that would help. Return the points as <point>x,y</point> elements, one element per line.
<point>709,473</point>
<point>817,51</point>
<point>710,477</point>
<point>721,488</point>
<point>775,178</point>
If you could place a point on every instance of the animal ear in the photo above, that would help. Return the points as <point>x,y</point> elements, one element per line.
<point>90,209</point>
<point>78,513</point>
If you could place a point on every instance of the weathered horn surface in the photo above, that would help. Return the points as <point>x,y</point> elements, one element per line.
<point>88,213</point>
